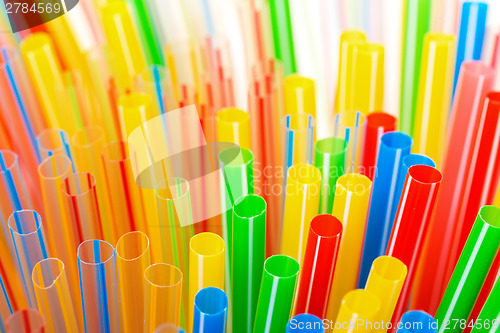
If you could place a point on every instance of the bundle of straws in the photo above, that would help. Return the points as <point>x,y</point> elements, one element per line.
<point>228,166</point>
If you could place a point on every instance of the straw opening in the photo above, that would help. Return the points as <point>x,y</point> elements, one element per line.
<point>78,184</point>
<point>331,145</point>
<point>490,215</point>
<point>355,183</point>
<point>233,115</point>
<point>207,244</point>
<point>396,140</point>
<point>95,252</point>
<point>326,226</point>
<point>25,222</point>
<point>211,301</point>
<point>46,272</point>
<point>54,167</point>
<point>132,245</point>
<point>172,188</point>
<point>425,174</point>
<point>163,275</point>
<point>88,136</point>
<point>249,206</point>
<point>380,119</point>
<point>236,156</point>
<point>8,160</point>
<point>281,266</point>
<point>304,174</point>
<point>390,268</point>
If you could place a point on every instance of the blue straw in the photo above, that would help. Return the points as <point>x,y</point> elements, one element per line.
<point>417,322</point>
<point>210,311</point>
<point>305,322</point>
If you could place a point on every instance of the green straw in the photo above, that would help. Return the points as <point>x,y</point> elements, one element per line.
<point>329,158</point>
<point>471,271</point>
<point>249,253</point>
<point>417,23</point>
<point>282,34</point>
<point>489,317</point>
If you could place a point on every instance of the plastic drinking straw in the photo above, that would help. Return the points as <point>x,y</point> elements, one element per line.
<point>249,253</point>
<point>302,194</point>
<point>53,296</point>
<point>471,269</point>
<point>5,305</point>
<point>162,296</point>
<point>434,95</point>
<point>352,196</point>
<point>25,321</point>
<point>329,158</point>
<point>155,82</point>
<point>86,146</point>
<point>29,245</point>
<point>348,41</point>
<point>470,34</point>
<point>124,44</point>
<point>319,264</point>
<point>385,280</point>
<point>134,109</point>
<point>54,142</point>
<point>377,123</point>
<point>368,81</point>
<point>282,34</point>
<point>97,268</point>
<point>233,125</point>
<point>475,82</point>
<point>490,312</point>
<point>305,322</point>
<point>358,312</point>
<point>210,311</point>
<point>411,224</point>
<point>276,294</point>
<point>394,146</point>
<point>418,322</point>
<point>169,328</point>
<point>416,20</point>
<point>206,265</point>
<point>299,95</point>
<point>298,137</point>
<point>132,259</point>
<point>351,126</point>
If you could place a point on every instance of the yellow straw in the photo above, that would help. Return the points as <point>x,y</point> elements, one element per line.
<point>299,95</point>
<point>233,125</point>
<point>359,308</point>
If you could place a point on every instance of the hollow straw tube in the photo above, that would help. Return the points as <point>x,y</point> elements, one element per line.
<point>132,259</point>
<point>471,269</point>
<point>276,294</point>
<point>434,96</point>
<point>163,291</point>
<point>169,328</point>
<point>29,245</point>
<point>53,141</point>
<point>249,253</point>
<point>53,296</point>
<point>97,268</point>
<point>25,321</point>
<point>316,276</point>
<point>411,224</point>
<point>301,205</point>
<point>352,196</point>
<point>385,280</point>
<point>5,305</point>
<point>490,313</point>
<point>470,34</point>
<point>206,265</point>
<point>233,125</point>
<point>210,311</point>
<point>357,305</point>
<point>475,82</point>
<point>134,109</point>
<point>351,126</point>
<point>298,137</point>
<point>368,83</point>
<point>305,322</point>
<point>417,23</point>
<point>155,82</point>
<point>329,158</point>
<point>394,146</point>
<point>299,95</point>
<point>377,123</point>
<point>418,322</point>
<point>282,34</point>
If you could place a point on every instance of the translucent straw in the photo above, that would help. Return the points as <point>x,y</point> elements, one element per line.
<point>25,321</point>
<point>298,137</point>
<point>210,311</point>
<point>53,142</point>
<point>53,296</point>
<point>351,126</point>
<point>5,305</point>
<point>169,328</point>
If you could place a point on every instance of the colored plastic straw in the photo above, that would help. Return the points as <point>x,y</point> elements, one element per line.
<point>471,269</point>
<point>29,245</point>
<point>206,265</point>
<point>305,322</point>
<point>132,259</point>
<point>163,291</point>
<point>53,142</point>
<point>96,264</point>
<point>351,126</point>
<point>358,312</point>
<point>434,95</point>
<point>377,123</point>
<point>470,34</point>
<point>210,311</point>
<point>329,158</point>
<point>299,95</point>
<point>394,146</point>
<point>319,264</point>
<point>352,197</point>
<point>125,46</point>
<point>417,322</point>
<point>169,328</point>
<point>25,321</point>
<point>417,23</point>
<point>368,83</point>
<point>5,305</point>
<point>348,41</point>
<point>385,280</point>
<point>53,296</point>
<point>301,205</point>
<point>233,125</point>
<point>282,34</point>
<point>276,294</point>
<point>490,313</point>
<point>411,224</point>
<point>134,109</point>
<point>249,253</point>
<point>467,114</point>
<point>298,137</point>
